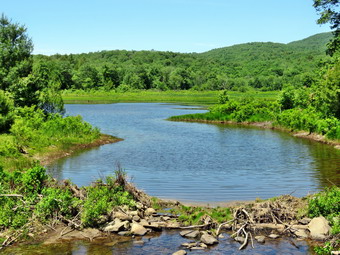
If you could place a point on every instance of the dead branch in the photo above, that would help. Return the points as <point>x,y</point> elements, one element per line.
<point>221,225</point>
<point>11,195</point>
<point>245,241</point>
<point>195,226</point>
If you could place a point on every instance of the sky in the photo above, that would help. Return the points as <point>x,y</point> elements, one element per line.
<point>81,26</point>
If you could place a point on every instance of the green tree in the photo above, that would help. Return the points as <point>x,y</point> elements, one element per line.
<point>6,111</point>
<point>329,13</point>
<point>15,53</point>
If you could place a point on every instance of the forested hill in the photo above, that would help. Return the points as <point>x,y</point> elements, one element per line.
<point>316,42</point>
<point>265,66</point>
<point>273,55</point>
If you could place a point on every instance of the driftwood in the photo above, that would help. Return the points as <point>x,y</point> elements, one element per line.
<point>11,195</point>
<point>279,214</point>
<point>221,225</point>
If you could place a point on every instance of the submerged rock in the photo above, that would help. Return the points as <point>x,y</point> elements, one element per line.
<point>260,239</point>
<point>273,236</point>
<point>301,233</point>
<point>319,228</point>
<point>180,252</point>
<point>240,239</point>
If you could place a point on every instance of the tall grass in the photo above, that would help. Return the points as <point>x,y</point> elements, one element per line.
<point>171,96</point>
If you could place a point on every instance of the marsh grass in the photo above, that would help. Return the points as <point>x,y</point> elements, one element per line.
<point>191,97</point>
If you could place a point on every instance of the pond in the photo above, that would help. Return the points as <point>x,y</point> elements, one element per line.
<point>198,162</point>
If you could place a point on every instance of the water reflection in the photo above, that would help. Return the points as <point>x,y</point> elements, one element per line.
<point>195,161</point>
<point>165,243</point>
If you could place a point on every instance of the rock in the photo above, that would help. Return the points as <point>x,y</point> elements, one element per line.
<point>114,226</point>
<point>121,216</point>
<point>305,221</point>
<point>124,233</point>
<point>173,225</point>
<point>144,222</point>
<point>197,248</point>
<point>301,233</point>
<point>138,229</point>
<point>273,236</point>
<point>221,236</point>
<point>154,226</point>
<point>239,239</point>
<point>139,205</point>
<point>193,234</point>
<point>136,218</point>
<point>227,226</point>
<point>138,242</point>
<point>189,233</point>
<point>165,218</point>
<point>260,239</point>
<point>208,239</point>
<point>149,211</point>
<point>319,228</point>
<point>180,252</point>
<point>189,245</point>
<point>203,245</point>
<point>133,213</point>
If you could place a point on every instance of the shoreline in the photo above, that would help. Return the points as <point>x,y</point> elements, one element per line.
<point>268,125</point>
<point>49,157</point>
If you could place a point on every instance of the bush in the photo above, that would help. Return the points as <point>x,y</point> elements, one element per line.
<point>101,199</point>
<point>327,204</point>
<point>6,111</point>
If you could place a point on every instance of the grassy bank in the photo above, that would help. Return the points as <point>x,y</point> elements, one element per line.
<point>37,136</point>
<point>268,114</point>
<point>173,96</point>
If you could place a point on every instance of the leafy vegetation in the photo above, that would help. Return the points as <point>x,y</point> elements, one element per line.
<point>263,66</point>
<point>190,215</point>
<point>31,195</point>
<point>327,204</point>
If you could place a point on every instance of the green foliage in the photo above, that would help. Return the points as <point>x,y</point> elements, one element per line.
<point>36,131</point>
<point>195,215</point>
<point>6,111</point>
<point>329,13</point>
<point>101,199</point>
<point>16,211</point>
<point>15,53</point>
<point>56,201</point>
<point>44,199</point>
<point>263,66</point>
<point>327,204</point>
<point>223,97</point>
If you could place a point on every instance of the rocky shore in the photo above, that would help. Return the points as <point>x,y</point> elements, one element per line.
<point>252,222</point>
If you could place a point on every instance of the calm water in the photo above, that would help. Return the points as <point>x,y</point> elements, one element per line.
<point>198,162</point>
<point>165,243</point>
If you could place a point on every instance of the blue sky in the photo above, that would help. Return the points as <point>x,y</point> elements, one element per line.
<point>80,26</point>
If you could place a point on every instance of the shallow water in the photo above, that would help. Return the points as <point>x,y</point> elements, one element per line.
<point>198,162</point>
<point>166,242</point>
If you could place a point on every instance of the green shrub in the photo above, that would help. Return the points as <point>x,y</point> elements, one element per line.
<point>327,204</point>
<point>101,199</point>
<point>6,111</point>
<point>56,201</point>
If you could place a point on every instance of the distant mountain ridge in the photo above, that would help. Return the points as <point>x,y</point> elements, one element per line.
<point>259,65</point>
<point>315,44</point>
